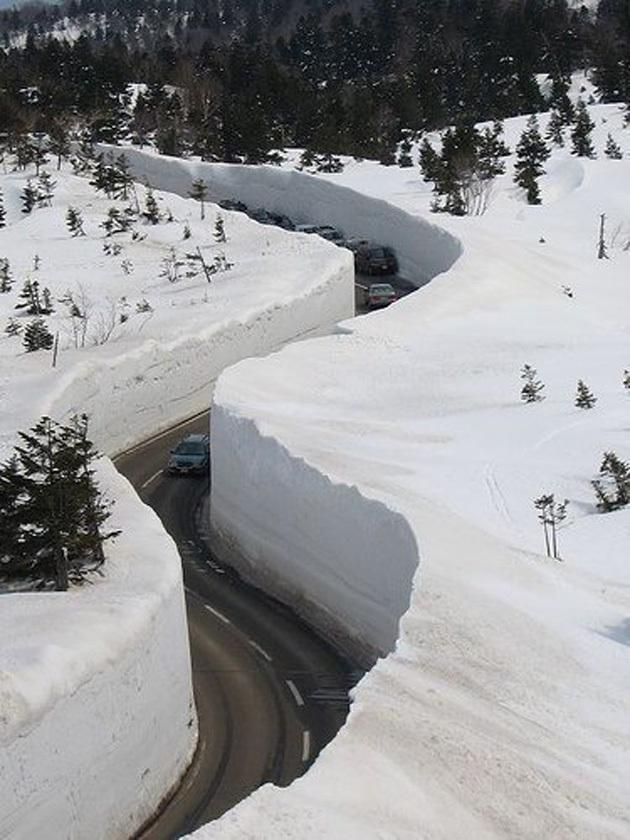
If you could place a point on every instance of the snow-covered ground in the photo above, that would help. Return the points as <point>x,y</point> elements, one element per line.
<point>502,711</point>
<point>96,715</point>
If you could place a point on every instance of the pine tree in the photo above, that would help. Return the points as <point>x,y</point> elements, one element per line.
<point>6,278</point>
<point>29,298</point>
<point>555,128</point>
<point>117,221</point>
<point>219,230</point>
<point>37,336</point>
<point>13,327</point>
<point>3,212</point>
<point>582,145</point>
<point>199,192</point>
<point>612,489</point>
<point>45,189</point>
<point>74,222</point>
<point>151,210</point>
<point>122,179</point>
<point>531,391</point>
<point>531,153</point>
<point>584,398</point>
<point>430,162</point>
<point>626,380</point>
<point>187,232</point>
<point>55,509</point>
<point>404,153</point>
<point>47,304</point>
<point>29,197</point>
<point>613,149</point>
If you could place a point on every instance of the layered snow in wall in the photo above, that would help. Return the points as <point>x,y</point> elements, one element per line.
<point>503,710</point>
<point>96,715</point>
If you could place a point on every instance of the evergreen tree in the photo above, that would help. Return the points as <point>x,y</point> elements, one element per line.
<point>45,189</point>
<point>531,391</point>
<point>74,222</point>
<point>187,232</point>
<point>582,145</point>
<point>584,398</point>
<point>404,153</point>
<point>29,197</point>
<point>29,298</point>
<point>6,278</point>
<point>531,153</point>
<point>199,192</point>
<point>122,179</point>
<point>555,128</point>
<point>219,230</point>
<point>13,328</point>
<point>59,141</point>
<point>54,506</point>
<point>626,379</point>
<point>47,304</point>
<point>612,489</point>
<point>37,336</point>
<point>612,150</point>
<point>430,162</point>
<point>3,212</point>
<point>117,221</point>
<point>151,210</point>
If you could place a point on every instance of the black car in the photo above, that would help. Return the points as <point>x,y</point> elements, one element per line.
<point>375,259</point>
<point>232,204</point>
<point>191,456</point>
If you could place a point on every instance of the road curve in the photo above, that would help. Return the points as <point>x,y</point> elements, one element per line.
<point>270,693</point>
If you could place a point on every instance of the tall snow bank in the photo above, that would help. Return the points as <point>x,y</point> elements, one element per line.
<point>503,710</point>
<point>97,719</point>
<point>423,249</point>
<point>294,539</point>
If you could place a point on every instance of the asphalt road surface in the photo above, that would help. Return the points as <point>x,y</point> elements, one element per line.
<point>362,282</point>
<point>270,693</point>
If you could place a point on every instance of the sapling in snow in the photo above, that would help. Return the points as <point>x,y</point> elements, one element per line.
<point>199,192</point>
<point>532,389</point>
<point>13,327</point>
<point>29,197</point>
<point>3,212</point>
<point>612,150</point>
<point>551,514</point>
<point>584,398</point>
<point>74,222</point>
<point>626,380</point>
<point>582,145</point>
<point>45,189</point>
<point>151,210</point>
<point>187,232</point>
<point>30,298</point>
<point>219,230</point>
<point>6,278</point>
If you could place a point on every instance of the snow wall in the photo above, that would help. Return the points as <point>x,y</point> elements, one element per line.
<point>423,249</point>
<point>342,561</point>
<point>79,715</point>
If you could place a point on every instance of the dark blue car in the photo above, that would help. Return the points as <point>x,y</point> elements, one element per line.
<point>191,456</point>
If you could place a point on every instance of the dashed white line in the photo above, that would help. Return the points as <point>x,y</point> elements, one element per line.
<point>260,650</point>
<point>306,745</point>
<point>218,614</point>
<point>294,691</point>
<point>152,479</point>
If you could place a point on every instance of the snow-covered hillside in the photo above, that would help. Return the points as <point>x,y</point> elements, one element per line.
<point>503,710</point>
<point>97,722</point>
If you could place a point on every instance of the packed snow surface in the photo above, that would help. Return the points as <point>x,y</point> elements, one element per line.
<point>96,716</point>
<point>503,710</point>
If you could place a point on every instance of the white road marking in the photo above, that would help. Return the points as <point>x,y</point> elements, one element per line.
<point>218,614</point>
<point>294,691</point>
<point>260,650</point>
<point>306,745</point>
<point>151,480</point>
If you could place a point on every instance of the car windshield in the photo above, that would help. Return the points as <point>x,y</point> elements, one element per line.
<point>377,253</point>
<point>382,288</point>
<point>189,448</point>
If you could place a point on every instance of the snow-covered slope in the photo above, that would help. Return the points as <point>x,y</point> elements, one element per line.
<point>96,716</point>
<point>503,710</point>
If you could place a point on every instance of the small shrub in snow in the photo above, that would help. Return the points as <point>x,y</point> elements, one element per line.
<point>582,145</point>
<point>551,515</point>
<point>532,389</point>
<point>187,232</point>
<point>612,149</point>
<point>626,380</point>
<point>612,488</point>
<point>118,221</point>
<point>6,278</point>
<point>143,306</point>
<point>584,398</point>
<point>45,189</point>
<point>127,267</point>
<point>171,266</point>
<point>554,128</point>
<point>3,212</point>
<point>52,512</point>
<point>112,249</point>
<point>328,163</point>
<point>37,262</point>
<point>219,230</point>
<point>404,153</point>
<point>151,210</point>
<point>13,327</point>
<point>30,298</point>
<point>37,336</point>
<point>74,222</point>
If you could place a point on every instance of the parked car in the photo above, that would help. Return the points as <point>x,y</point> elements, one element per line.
<point>375,259</point>
<point>262,216</point>
<point>282,221</point>
<point>232,204</point>
<point>380,294</point>
<point>331,234</point>
<point>191,456</point>
<point>306,228</point>
<point>355,245</point>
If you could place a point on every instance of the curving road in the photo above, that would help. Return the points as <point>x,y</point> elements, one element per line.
<point>270,693</point>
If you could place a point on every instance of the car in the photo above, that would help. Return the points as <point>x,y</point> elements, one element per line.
<point>306,228</point>
<point>282,221</point>
<point>375,259</point>
<point>191,456</point>
<point>380,295</point>
<point>262,216</point>
<point>331,234</point>
<point>232,204</point>
<point>355,244</point>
